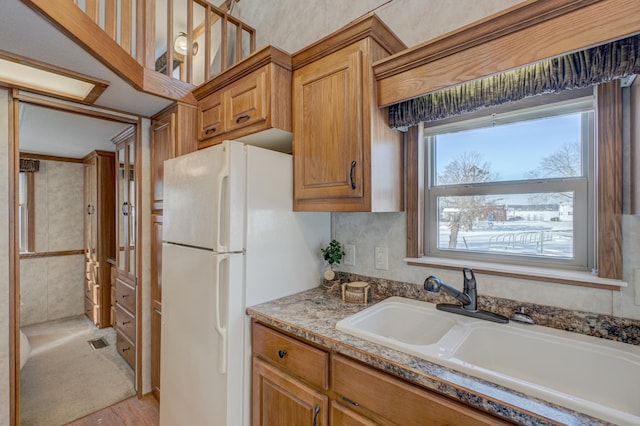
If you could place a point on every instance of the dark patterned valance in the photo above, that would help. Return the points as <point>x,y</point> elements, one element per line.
<point>28,165</point>
<point>572,71</point>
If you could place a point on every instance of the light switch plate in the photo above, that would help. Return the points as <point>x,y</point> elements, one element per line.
<point>350,254</point>
<point>381,258</point>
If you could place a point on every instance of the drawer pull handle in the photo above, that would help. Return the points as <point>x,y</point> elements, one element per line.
<point>316,411</point>
<point>242,118</point>
<point>210,131</point>
<point>282,353</point>
<point>345,399</point>
<point>125,323</point>
<point>353,168</point>
<point>125,349</point>
<point>124,296</point>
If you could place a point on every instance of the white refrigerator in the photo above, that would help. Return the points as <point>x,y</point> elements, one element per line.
<point>230,240</point>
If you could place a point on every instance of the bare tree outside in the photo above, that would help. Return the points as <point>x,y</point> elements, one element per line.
<point>469,167</point>
<point>565,162</point>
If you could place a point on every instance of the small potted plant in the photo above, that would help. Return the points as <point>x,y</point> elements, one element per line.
<point>333,253</point>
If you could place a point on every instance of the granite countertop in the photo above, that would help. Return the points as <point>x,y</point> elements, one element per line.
<point>313,314</point>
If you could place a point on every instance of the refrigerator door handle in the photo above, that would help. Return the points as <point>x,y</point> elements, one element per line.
<point>222,331</point>
<point>224,174</point>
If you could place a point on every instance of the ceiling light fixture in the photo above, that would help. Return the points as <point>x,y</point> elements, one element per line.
<point>39,77</point>
<point>180,45</point>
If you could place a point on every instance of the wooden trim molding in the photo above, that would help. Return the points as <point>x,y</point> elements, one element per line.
<point>14,261</point>
<point>415,169</point>
<point>50,157</point>
<point>609,179</point>
<point>369,26</point>
<point>31,209</point>
<point>522,276</point>
<point>264,56</point>
<point>50,254</point>
<point>528,32</point>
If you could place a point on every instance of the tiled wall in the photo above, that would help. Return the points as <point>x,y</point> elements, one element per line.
<point>53,287</point>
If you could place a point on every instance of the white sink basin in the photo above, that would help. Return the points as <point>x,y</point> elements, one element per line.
<point>591,375</point>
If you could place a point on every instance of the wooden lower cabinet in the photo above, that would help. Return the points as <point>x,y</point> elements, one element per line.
<point>281,400</point>
<point>286,390</point>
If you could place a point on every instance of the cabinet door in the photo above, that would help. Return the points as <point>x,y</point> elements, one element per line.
<point>246,101</point>
<point>162,148</point>
<point>327,127</point>
<point>280,400</point>
<point>211,116</point>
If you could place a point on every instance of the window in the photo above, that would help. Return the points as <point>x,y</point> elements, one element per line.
<point>515,187</point>
<point>26,214</point>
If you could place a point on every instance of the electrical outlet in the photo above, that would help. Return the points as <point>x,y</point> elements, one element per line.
<point>350,254</point>
<point>381,258</point>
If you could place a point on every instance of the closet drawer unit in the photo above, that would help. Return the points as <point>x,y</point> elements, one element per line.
<point>301,360</point>
<point>92,292</point>
<point>126,349</point>
<point>92,311</point>
<point>126,323</point>
<point>125,295</point>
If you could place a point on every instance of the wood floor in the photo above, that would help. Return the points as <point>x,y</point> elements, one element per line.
<point>130,412</point>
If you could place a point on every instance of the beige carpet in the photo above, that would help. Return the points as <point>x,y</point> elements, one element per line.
<point>65,378</point>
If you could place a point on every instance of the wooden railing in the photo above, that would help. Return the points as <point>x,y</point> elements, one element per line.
<point>198,39</point>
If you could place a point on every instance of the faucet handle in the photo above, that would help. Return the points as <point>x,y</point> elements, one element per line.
<point>469,279</point>
<point>522,317</point>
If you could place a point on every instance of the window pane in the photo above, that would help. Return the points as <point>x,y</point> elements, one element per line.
<point>533,224</point>
<point>548,147</point>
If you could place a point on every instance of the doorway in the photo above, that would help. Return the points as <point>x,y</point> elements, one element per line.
<point>69,365</point>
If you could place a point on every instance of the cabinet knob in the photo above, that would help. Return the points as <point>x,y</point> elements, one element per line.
<point>282,353</point>
<point>210,131</point>
<point>242,118</point>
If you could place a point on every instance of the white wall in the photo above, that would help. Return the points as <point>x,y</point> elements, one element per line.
<point>53,287</point>
<point>293,25</point>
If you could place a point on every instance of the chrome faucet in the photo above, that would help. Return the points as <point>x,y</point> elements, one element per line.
<point>468,297</point>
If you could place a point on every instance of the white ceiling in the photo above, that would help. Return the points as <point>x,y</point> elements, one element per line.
<point>65,134</point>
<point>25,33</point>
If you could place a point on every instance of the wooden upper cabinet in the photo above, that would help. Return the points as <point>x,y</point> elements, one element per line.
<point>346,158</point>
<point>173,133</point>
<point>249,98</point>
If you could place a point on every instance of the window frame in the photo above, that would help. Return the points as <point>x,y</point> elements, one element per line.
<point>608,182</point>
<point>582,186</point>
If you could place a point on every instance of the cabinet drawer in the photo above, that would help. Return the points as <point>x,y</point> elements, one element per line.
<point>211,116</point>
<point>398,401</point>
<point>92,311</point>
<point>125,295</point>
<point>297,358</point>
<point>126,349</point>
<point>126,323</point>
<point>246,101</point>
